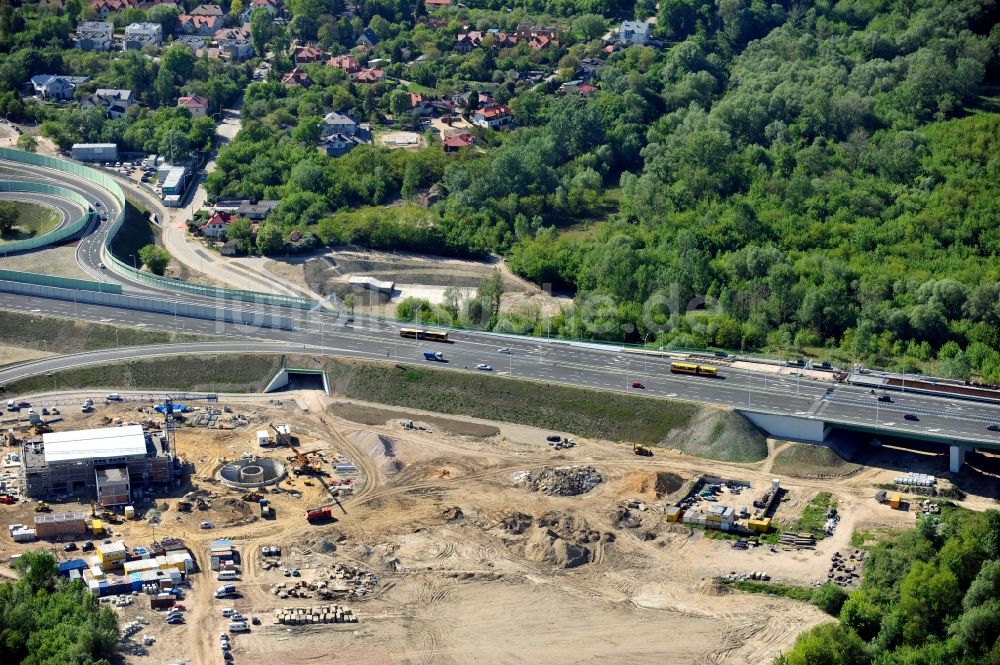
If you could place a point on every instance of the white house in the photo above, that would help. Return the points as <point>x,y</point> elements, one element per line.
<point>139,35</point>
<point>338,123</point>
<point>94,36</point>
<point>633,32</point>
<point>50,86</point>
<point>496,116</point>
<point>197,105</point>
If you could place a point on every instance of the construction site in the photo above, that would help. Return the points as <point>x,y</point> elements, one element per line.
<point>338,530</point>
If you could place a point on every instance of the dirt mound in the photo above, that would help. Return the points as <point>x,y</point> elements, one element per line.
<point>555,538</point>
<point>720,435</point>
<point>546,545</point>
<point>659,484</point>
<point>713,588</point>
<point>812,461</point>
<point>381,448</point>
<point>324,546</point>
<point>559,480</point>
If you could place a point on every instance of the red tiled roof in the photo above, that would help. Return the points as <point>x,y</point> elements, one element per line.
<point>460,140</point>
<point>192,102</point>
<point>370,76</point>
<point>496,111</point>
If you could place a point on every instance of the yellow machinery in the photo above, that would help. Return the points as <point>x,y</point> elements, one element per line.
<point>642,450</point>
<point>42,507</point>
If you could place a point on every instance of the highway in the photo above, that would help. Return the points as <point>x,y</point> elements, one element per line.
<point>553,361</point>
<point>534,359</point>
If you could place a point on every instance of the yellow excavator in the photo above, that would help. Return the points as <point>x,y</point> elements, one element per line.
<point>641,450</point>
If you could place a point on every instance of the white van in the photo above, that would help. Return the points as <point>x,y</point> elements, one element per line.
<point>225,590</point>
<point>113,397</point>
<point>239,627</point>
<point>226,575</point>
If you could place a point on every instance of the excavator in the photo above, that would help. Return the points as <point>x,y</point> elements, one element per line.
<point>641,450</point>
<point>301,463</point>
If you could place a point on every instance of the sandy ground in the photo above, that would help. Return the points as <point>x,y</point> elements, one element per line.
<point>470,567</point>
<point>59,261</point>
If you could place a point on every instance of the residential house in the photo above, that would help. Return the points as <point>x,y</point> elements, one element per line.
<point>217,224</point>
<point>504,40</point>
<point>197,43</point>
<point>576,88</point>
<point>338,145</point>
<point>95,36</point>
<point>104,7</point>
<point>496,116</point>
<point>273,7</point>
<point>471,100</point>
<point>538,42</point>
<point>197,105</point>
<point>230,248</point>
<point>527,31</point>
<point>338,123</point>
<point>370,76</point>
<point>235,43</point>
<point>458,140</point>
<point>140,35</point>
<point>419,105</point>
<point>257,211</point>
<point>50,86</point>
<point>199,24</point>
<point>207,10</point>
<point>633,32</point>
<point>307,55</point>
<point>466,41</point>
<point>368,38</point>
<point>296,77</point>
<point>431,5</point>
<point>346,62</point>
<point>587,71</point>
<point>115,103</point>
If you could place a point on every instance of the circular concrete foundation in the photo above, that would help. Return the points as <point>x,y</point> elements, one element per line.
<point>251,473</point>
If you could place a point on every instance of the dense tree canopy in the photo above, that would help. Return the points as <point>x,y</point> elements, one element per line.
<point>45,620</point>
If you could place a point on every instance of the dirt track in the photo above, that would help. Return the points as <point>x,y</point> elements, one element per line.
<point>459,582</point>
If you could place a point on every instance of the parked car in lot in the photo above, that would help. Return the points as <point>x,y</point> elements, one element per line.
<point>69,547</point>
<point>177,618</point>
<point>206,525</point>
<point>227,612</point>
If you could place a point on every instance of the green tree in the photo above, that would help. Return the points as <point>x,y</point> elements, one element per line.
<point>269,238</point>
<point>830,598</point>
<point>862,615</point>
<point>261,30</point>
<point>38,568</point>
<point>349,302</point>
<point>978,628</point>
<point>154,258</point>
<point>399,103</point>
<point>985,587</point>
<point>826,644</point>
<point>8,217</point>
<point>411,179</point>
<point>490,292</point>
<point>241,231</point>
<point>588,26</point>
<point>27,143</point>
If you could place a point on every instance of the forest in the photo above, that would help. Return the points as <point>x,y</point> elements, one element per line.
<point>806,177</point>
<point>930,595</point>
<point>49,620</point>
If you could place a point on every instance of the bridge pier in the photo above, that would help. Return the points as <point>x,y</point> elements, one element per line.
<point>957,458</point>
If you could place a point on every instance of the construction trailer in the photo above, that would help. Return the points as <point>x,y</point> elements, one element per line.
<point>51,526</point>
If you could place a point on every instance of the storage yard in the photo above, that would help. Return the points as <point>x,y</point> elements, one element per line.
<point>301,534</point>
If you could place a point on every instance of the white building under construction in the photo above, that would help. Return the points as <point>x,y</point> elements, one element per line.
<point>110,465</point>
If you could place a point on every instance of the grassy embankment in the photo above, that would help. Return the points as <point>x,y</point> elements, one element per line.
<point>33,219</point>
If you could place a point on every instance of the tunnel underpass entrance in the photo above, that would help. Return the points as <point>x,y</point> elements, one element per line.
<point>292,378</point>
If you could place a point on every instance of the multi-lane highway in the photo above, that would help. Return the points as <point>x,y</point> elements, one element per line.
<point>540,360</point>
<point>586,365</point>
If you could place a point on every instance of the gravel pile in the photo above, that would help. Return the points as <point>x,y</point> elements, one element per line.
<point>559,480</point>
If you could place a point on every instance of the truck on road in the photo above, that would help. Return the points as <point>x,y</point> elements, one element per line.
<point>434,355</point>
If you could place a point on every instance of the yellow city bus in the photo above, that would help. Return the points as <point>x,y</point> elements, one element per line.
<point>693,369</point>
<point>431,335</point>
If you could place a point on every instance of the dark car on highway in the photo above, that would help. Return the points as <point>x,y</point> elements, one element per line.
<point>910,416</point>
<point>884,398</point>
<point>993,428</point>
<point>636,384</point>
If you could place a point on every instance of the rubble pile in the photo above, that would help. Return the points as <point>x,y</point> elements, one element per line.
<point>561,540</point>
<point>845,571</point>
<point>301,616</point>
<point>559,480</point>
<point>753,575</point>
<point>341,580</point>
